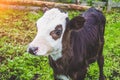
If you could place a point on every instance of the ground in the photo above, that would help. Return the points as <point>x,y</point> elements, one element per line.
<point>17,29</point>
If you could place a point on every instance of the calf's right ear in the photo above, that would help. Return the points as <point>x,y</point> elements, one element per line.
<point>76,23</point>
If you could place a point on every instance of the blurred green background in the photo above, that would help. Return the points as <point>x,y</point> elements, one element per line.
<point>17,30</point>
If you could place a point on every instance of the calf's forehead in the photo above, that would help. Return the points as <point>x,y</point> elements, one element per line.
<point>51,19</point>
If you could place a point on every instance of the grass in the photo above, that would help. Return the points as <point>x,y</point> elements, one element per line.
<point>17,29</point>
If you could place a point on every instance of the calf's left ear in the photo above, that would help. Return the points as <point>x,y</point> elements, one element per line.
<point>76,23</point>
<point>45,9</point>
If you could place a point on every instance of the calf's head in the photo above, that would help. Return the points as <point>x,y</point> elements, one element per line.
<point>51,27</point>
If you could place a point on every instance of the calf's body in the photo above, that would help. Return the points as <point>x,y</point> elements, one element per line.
<point>82,44</point>
<point>82,47</point>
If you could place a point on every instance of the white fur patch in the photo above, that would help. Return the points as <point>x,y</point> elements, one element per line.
<point>63,77</point>
<point>56,56</point>
<point>47,23</point>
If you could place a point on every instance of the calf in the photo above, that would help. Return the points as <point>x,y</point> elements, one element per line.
<point>71,45</point>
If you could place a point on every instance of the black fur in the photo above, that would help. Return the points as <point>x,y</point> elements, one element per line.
<point>82,42</point>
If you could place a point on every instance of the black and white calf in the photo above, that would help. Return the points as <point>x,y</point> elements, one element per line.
<point>70,44</point>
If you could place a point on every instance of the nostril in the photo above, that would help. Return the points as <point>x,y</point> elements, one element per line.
<point>33,50</point>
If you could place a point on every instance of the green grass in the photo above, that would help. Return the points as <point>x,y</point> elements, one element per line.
<point>17,29</point>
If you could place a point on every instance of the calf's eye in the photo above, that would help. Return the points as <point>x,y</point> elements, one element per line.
<point>56,33</point>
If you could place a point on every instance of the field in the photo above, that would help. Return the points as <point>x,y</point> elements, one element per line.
<point>17,30</point>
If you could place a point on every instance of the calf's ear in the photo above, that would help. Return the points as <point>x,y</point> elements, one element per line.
<point>45,9</point>
<point>76,23</point>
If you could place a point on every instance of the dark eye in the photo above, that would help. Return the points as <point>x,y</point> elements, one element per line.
<point>58,32</point>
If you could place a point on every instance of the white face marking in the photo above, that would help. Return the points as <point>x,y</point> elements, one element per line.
<point>43,40</point>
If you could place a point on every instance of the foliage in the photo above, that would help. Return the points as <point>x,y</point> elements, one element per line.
<point>17,29</point>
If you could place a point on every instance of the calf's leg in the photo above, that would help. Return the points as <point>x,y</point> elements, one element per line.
<point>80,75</point>
<point>100,62</point>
